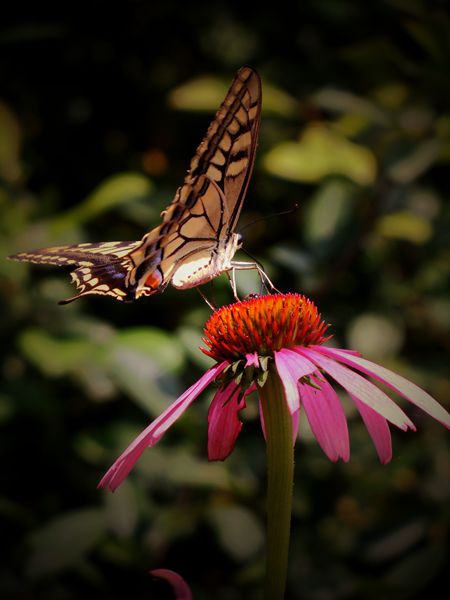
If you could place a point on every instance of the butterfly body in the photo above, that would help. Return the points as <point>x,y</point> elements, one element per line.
<point>205,267</point>
<point>196,240</point>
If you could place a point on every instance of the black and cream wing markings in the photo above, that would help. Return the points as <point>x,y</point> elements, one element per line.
<point>101,268</point>
<point>195,241</point>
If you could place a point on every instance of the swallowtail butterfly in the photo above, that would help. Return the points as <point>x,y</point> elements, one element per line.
<point>196,240</point>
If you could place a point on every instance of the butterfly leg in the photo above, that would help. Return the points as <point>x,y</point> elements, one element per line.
<point>265,279</point>
<point>232,280</point>
<point>249,266</point>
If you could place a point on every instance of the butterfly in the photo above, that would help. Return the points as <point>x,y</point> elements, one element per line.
<point>196,240</point>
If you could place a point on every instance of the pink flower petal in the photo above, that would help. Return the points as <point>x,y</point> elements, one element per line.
<point>179,586</point>
<point>295,421</point>
<point>224,425</point>
<point>291,367</point>
<point>378,429</point>
<point>402,386</point>
<point>326,418</point>
<point>360,387</point>
<point>154,432</point>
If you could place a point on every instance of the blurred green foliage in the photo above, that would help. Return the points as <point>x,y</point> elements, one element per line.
<point>101,108</point>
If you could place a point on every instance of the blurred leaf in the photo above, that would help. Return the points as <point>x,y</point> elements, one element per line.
<point>375,336</point>
<point>155,344</point>
<point>443,127</point>
<point>171,523</point>
<point>351,125</point>
<point>53,356</point>
<point>405,226</point>
<point>112,192</point>
<point>64,542</point>
<point>240,533</point>
<point>278,102</point>
<point>419,160</point>
<point>319,153</point>
<point>392,95</point>
<point>185,468</point>
<point>424,36</point>
<point>139,359</point>
<point>438,311</point>
<point>96,382</point>
<point>6,409</point>
<point>291,257</point>
<point>140,379</point>
<point>207,93</point>
<point>412,574</point>
<point>122,510</point>
<point>10,145</point>
<point>396,542</point>
<point>191,339</point>
<point>200,94</point>
<point>328,210</point>
<point>342,101</point>
<point>179,465</point>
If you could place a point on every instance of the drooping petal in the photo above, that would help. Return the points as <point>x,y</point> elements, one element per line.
<point>399,384</point>
<point>179,587</point>
<point>378,429</point>
<point>346,350</point>
<point>154,432</point>
<point>224,425</point>
<point>291,367</point>
<point>361,388</point>
<point>326,418</point>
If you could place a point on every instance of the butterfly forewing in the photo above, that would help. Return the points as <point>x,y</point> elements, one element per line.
<point>77,254</point>
<point>206,207</point>
<point>226,154</point>
<point>196,240</point>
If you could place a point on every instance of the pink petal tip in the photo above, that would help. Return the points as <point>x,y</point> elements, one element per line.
<point>178,584</point>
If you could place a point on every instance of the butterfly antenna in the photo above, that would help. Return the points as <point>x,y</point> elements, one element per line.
<point>289,211</point>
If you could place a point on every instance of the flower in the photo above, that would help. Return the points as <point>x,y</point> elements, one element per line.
<point>179,587</point>
<point>284,334</point>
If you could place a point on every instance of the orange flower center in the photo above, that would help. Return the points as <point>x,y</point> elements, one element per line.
<point>263,324</point>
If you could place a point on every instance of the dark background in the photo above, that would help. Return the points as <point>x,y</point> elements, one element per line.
<point>101,108</point>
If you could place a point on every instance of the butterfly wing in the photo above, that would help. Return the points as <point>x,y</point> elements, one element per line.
<point>201,219</point>
<point>227,153</point>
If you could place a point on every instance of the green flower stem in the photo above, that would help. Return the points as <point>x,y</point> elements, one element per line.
<point>280,473</point>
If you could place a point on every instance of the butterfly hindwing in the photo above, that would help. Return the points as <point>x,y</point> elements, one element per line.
<point>104,279</point>
<point>102,268</point>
